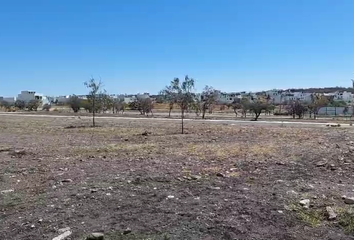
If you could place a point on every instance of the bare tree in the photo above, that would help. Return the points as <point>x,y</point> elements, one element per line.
<point>94,88</point>
<point>208,98</point>
<point>182,94</point>
<point>296,108</point>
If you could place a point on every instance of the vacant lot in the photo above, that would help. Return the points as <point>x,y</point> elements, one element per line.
<point>141,179</point>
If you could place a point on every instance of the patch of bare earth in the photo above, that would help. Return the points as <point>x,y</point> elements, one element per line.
<point>133,179</point>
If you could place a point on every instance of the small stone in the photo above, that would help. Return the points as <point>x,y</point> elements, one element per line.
<point>95,236</point>
<point>170,197</point>
<point>63,235</point>
<point>332,167</point>
<point>348,200</point>
<point>33,226</point>
<point>196,177</point>
<point>127,231</point>
<point>215,188</point>
<point>93,190</point>
<point>62,230</point>
<point>67,180</point>
<point>40,220</point>
<point>108,194</point>
<point>220,175</point>
<point>305,203</point>
<point>331,214</point>
<point>321,163</point>
<point>7,191</point>
<point>280,211</point>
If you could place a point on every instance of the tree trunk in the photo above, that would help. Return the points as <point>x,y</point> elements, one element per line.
<point>169,113</point>
<point>204,110</point>
<point>235,110</point>
<point>257,116</point>
<point>182,121</point>
<point>93,113</point>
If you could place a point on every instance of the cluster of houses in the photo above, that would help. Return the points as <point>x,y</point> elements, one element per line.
<point>28,96</point>
<point>274,96</point>
<point>282,96</point>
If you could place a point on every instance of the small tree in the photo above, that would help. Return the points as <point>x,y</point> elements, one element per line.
<point>197,105</point>
<point>296,108</point>
<point>170,96</point>
<point>146,106</point>
<point>208,98</point>
<point>257,107</point>
<point>118,105</point>
<point>245,106</point>
<point>33,105</point>
<point>106,101</point>
<point>20,104</point>
<point>94,88</point>
<point>236,105</point>
<point>182,94</point>
<point>75,103</point>
<point>318,102</point>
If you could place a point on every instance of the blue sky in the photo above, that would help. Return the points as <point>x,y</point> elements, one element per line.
<point>134,46</point>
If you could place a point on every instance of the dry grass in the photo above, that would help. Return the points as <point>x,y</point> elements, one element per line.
<point>222,151</point>
<point>139,149</point>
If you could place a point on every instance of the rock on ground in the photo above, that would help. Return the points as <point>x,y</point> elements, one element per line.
<point>63,236</point>
<point>331,214</point>
<point>95,236</point>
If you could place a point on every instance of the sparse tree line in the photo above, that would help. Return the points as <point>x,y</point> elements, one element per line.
<point>181,94</point>
<point>32,105</point>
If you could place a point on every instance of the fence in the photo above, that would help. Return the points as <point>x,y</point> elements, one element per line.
<point>336,111</point>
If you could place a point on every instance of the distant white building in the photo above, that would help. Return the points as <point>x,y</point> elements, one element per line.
<point>10,100</point>
<point>345,96</point>
<point>26,96</point>
<point>143,95</point>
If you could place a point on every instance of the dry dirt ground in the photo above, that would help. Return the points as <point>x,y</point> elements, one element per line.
<point>133,179</point>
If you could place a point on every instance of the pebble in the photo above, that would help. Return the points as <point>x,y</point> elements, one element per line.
<point>127,231</point>
<point>63,235</point>
<point>67,180</point>
<point>170,197</point>
<point>331,214</point>
<point>305,203</point>
<point>348,200</point>
<point>7,191</point>
<point>95,236</point>
<point>62,230</point>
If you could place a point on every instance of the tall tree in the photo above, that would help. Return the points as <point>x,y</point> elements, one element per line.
<point>209,97</point>
<point>94,88</point>
<point>181,92</point>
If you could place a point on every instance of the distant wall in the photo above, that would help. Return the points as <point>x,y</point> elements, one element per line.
<point>334,111</point>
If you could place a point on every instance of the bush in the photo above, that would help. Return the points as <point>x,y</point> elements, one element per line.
<point>281,114</point>
<point>33,105</point>
<point>20,104</point>
<point>75,103</point>
<point>46,107</point>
